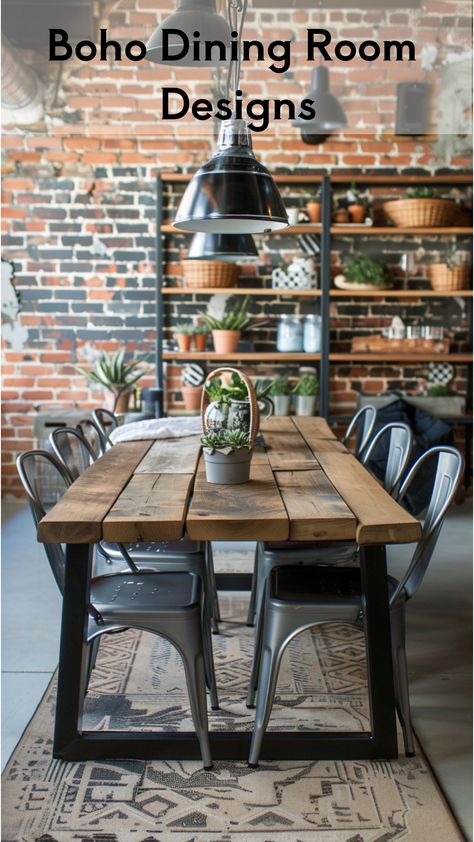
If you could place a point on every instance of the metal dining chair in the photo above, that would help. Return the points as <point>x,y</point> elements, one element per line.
<point>362,426</point>
<point>398,452</point>
<point>167,604</point>
<point>299,598</point>
<point>75,453</point>
<point>271,554</point>
<point>91,432</point>
<point>106,421</point>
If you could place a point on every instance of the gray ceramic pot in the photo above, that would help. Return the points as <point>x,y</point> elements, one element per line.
<point>281,404</point>
<point>305,404</point>
<point>228,468</point>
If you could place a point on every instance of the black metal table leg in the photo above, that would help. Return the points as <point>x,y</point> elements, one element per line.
<point>73,649</point>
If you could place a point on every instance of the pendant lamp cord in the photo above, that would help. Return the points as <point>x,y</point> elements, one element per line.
<point>234,9</point>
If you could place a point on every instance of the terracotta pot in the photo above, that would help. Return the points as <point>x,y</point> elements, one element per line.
<point>314,211</point>
<point>184,341</point>
<point>192,397</point>
<point>226,341</point>
<point>357,213</point>
<point>341,216</point>
<point>122,402</point>
<point>200,341</point>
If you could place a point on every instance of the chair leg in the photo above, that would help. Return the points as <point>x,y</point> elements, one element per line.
<point>208,654</point>
<point>193,662</point>
<point>93,649</point>
<point>400,669</point>
<point>253,593</point>
<point>257,657</point>
<point>215,611</point>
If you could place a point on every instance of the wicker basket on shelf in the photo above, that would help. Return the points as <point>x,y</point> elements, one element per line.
<point>209,273</point>
<point>444,277</point>
<point>420,213</point>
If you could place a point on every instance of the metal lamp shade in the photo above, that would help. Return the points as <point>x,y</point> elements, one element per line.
<point>330,114</point>
<point>233,193</point>
<point>191,16</point>
<point>233,248</point>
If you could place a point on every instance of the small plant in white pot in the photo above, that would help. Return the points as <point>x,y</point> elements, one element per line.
<point>280,394</point>
<point>227,455</point>
<point>306,391</point>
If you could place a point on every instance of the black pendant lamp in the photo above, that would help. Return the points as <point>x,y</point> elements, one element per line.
<point>191,16</point>
<point>229,247</point>
<point>330,114</point>
<point>233,193</point>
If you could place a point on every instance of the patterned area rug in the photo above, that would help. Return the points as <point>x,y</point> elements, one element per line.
<point>139,683</point>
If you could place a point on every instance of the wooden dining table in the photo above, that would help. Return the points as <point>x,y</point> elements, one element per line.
<point>304,486</point>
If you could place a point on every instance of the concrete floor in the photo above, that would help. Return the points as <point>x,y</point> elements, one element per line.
<point>439,646</point>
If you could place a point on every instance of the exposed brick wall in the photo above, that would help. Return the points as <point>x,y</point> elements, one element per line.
<point>83,179</point>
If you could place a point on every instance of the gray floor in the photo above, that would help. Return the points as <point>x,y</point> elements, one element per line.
<point>439,646</point>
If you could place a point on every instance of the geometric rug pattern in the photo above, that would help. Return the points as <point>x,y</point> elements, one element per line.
<point>138,683</point>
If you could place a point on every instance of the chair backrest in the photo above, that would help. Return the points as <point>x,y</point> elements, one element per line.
<point>40,472</point>
<point>362,424</point>
<point>106,421</point>
<point>448,475</point>
<point>90,431</point>
<point>400,443</point>
<point>72,450</point>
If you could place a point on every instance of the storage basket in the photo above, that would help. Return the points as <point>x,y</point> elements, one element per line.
<point>420,213</point>
<point>443,277</point>
<point>209,273</point>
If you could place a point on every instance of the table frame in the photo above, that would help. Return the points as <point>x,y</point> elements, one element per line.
<point>71,742</point>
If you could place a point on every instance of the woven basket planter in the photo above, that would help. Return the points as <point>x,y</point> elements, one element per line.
<point>209,273</point>
<point>420,213</point>
<point>442,277</point>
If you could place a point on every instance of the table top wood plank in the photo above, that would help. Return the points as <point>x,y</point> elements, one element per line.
<point>152,507</point>
<point>285,446</point>
<point>315,509</point>
<point>313,427</point>
<point>171,456</point>
<point>251,511</point>
<point>380,519</point>
<point>77,517</point>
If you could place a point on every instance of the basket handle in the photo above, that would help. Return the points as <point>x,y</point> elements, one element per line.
<point>254,412</point>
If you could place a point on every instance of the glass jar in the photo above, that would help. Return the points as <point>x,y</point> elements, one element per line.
<point>290,335</point>
<point>312,334</point>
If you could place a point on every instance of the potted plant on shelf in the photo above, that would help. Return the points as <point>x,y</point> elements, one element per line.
<point>356,205</point>
<point>314,208</point>
<point>117,377</point>
<point>183,335</point>
<point>280,394</point>
<point>305,392</point>
<point>200,333</point>
<point>451,275</point>
<point>226,331</point>
<point>227,451</point>
<point>364,273</point>
<point>420,207</point>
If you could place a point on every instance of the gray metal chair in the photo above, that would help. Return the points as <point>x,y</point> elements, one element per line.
<point>362,425</point>
<point>106,421</point>
<point>93,436</point>
<point>271,554</point>
<point>167,604</point>
<point>75,453</point>
<point>400,443</point>
<point>299,598</point>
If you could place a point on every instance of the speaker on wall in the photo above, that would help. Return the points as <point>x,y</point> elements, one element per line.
<point>412,108</point>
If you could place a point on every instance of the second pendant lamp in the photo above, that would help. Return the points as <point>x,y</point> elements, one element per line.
<point>191,16</point>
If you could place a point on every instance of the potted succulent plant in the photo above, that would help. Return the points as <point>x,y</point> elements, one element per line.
<point>363,272</point>
<point>227,456</point>
<point>356,205</point>
<point>191,394</point>
<point>226,331</point>
<point>280,393</point>
<point>117,376</point>
<point>305,392</point>
<point>229,403</point>
<point>183,335</point>
<point>200,333</point>
<point>314,208</point>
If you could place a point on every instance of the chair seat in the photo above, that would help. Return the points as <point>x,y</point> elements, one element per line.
<point>312,584</point>
<point>151,592</point>
<point>342,551</point>
<point>144,551</point>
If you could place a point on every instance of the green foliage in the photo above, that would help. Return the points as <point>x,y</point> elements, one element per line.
<point>280,386</point>
<point>236,318</point>
<point>315,197</point>
<point>440,390</point>
<point>200,329</point>
<point>420,193</point>
<point>452,256</point>
<point>307,386</point>
<point>236,390</point>
<point>114,374</point>
<point>219,440</point>
<point>186,328</point>
<point>362,269</point>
